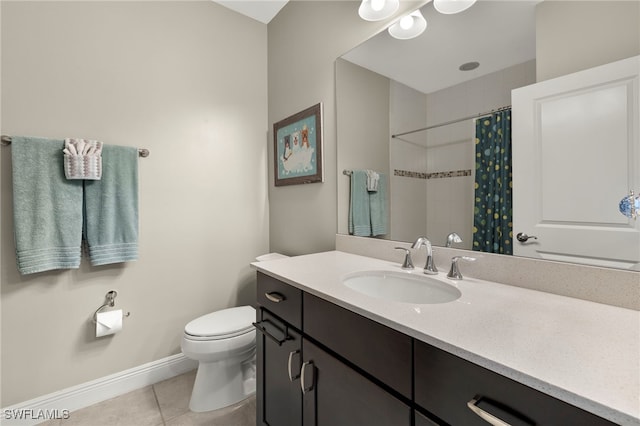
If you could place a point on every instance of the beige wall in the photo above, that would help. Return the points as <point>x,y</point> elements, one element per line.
<point>305,39</point>
<point>187,80</point>
<point>575,35</point>
<point>165,76</point>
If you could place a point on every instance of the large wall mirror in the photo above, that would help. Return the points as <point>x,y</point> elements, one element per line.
<point>386,89</point>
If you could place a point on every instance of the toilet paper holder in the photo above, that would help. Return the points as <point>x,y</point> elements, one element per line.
<point>110,302</point>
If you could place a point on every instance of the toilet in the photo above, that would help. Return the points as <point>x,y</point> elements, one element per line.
<point>224,344</point>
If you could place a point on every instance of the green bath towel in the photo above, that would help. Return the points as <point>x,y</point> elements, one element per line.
<point>47,208</point>
<point>367,210</point>
<point>111,208</point>
<point>359,210</point>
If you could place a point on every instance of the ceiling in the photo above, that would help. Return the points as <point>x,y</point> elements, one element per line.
<point>497,34</point>
<point>260,10</point>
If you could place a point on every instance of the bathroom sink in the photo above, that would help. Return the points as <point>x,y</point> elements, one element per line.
<point>406,287</point>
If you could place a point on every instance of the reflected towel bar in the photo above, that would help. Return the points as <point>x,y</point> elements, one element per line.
<point>142,152</point>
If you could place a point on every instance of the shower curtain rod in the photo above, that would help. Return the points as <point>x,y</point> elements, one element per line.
<point>142,152</point>
<point>452,121</point>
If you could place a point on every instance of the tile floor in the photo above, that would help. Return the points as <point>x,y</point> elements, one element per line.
<point>164,404</point>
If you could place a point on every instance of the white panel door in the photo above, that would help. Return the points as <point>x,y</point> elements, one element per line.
<point>576,154</point>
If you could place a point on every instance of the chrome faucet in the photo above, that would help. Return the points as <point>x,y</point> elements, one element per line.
<point>408,263</point>
<point>453,238</point>
<point>454,272</point>
<point>429,267</point>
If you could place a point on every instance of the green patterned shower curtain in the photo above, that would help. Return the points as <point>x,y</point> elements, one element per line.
<point>492,216</point>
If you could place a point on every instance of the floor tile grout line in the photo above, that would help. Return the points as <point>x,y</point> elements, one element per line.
<point>155,396</point>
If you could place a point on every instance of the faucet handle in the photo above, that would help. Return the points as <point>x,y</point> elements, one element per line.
<point>408,263</point>
<point>454,272</point>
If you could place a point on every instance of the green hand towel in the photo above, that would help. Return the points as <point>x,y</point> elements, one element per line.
<point>47,208</point>
<point>359,210</point>
<point>111,208</point>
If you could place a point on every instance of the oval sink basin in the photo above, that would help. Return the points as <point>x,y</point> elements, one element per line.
<point>402,287</point>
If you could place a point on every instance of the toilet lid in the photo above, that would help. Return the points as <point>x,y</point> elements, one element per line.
<point>222,324</point>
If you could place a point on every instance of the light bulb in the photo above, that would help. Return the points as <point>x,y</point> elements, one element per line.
<point>409,26</point>
<point>406,22</point>
<point>377,10</point>
<point>377,5</point>
<point>449,7</point>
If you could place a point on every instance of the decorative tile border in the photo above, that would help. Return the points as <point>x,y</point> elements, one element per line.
<point>407,173</point>
<point>436,175</point>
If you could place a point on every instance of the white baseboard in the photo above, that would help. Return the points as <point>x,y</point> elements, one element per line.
<point>59,404</point>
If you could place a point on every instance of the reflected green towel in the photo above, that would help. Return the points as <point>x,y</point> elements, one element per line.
<point>47,208</point>
<point>111,208</point>
<point>378,208</point>
<point>359,210</point>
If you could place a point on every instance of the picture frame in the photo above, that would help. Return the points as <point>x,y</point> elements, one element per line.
<point>297,147</point>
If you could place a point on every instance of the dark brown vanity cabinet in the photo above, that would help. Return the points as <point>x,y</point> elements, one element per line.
<point>461,393</point>
<point>335,394</point>
<point>362,373</point>
<point>379,351</point>
<point>278,356</point>
<point>323,365</point>
<point>302,381</point>
<point>278,353</point>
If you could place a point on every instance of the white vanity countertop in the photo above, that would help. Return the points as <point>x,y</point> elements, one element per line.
<point>584,353</point>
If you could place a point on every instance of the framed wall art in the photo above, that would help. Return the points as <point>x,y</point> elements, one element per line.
<point>298,148</point>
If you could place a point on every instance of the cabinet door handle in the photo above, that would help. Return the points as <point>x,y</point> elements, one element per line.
<point>275,297</point>
<point>492,419</point>
<point>263,330</point>
<point>303,380</point>
<point>289,365</point>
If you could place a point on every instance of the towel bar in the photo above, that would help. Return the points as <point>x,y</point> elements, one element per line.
<point>142,152</point>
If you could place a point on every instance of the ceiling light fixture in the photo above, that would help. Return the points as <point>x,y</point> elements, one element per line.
<point>449,7</point>
<point>377,10</point>
<point>409,26</point>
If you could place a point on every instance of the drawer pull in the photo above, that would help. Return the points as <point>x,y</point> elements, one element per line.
<point>490,418</point>
<point>275,297</point>
<point>514,418</point>
<point>303,379</point>
<point>289,365</point>
<point>264,331</point>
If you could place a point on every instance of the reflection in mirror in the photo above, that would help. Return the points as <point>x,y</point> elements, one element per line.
<point>432,172</point>
<point>388,87</point>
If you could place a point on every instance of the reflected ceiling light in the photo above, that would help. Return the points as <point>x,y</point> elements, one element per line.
<point>469,66</point>
<point>377,10</point>
<point>409,26</point>
<point>449,7</point>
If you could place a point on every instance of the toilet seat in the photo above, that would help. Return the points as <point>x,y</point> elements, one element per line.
<point>222,324</point>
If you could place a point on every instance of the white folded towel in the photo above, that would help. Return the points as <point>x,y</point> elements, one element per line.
<point>82,159</point>
<point>372,181</point>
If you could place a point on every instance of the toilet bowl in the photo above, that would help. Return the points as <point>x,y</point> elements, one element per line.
<point>224,344</point>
